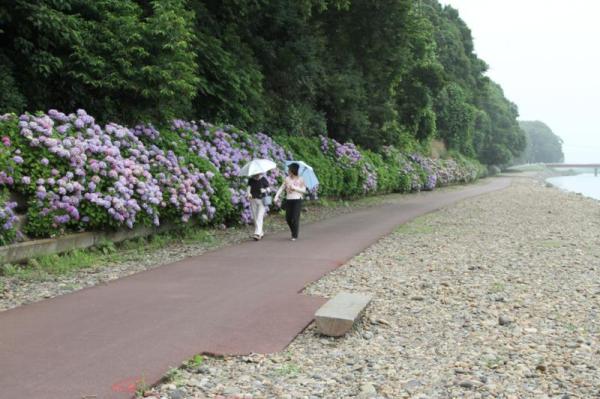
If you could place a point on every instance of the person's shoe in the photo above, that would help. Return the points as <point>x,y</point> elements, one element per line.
<point>255,237</point>
<point>293,239</point>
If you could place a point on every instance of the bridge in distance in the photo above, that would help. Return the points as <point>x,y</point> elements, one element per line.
<point>594,166</point>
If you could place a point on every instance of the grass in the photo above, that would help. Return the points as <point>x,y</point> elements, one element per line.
<point>327,203</point>
<point>494,362</point>
<point>416,226</point>
<point>550,244</point>
<point>288,369</point>
<point>571,327</point>
<point>141,388</point>
<point>107,252</point>
<point>174,376</point>
<point>44,267</point>
<point>527,168</point>
<point>196,361</point>
<point>497,288</point>
<point>48,267</point>
<point>199,236</point>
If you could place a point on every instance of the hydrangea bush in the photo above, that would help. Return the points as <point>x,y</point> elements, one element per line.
<point>425,169</point>
<point>228,149</point>
<point>419,173</point>
<point>10,161</point>
<point>77,175</point>
<point>8,220</point>
<point>351,161</point>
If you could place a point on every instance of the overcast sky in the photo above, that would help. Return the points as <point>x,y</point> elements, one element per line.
<point>545,55</point>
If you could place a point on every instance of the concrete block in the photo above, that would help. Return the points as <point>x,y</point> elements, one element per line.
<point>30,249</point>
<point>339,314</point>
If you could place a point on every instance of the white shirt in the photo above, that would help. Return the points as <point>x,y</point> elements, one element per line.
<point>295,188</point>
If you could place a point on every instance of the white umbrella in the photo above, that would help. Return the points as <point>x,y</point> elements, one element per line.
<point>257,166</point>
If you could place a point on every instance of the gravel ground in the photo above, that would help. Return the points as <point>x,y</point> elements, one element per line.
<point>16,291</point>
<point>494,297</point>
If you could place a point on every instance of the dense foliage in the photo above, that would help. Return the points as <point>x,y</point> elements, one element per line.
<point>542,144</point>
<point>375,72</point>
<point>76,174</point>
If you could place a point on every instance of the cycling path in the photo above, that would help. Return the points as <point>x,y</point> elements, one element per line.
<point>100,341</point>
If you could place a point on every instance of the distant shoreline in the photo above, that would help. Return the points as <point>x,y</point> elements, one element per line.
<point>584,184</point>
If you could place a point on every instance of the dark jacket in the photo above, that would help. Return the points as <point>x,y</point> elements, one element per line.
<point>256,185</point>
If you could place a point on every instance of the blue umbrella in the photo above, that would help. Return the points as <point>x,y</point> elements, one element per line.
<point>307,173</point>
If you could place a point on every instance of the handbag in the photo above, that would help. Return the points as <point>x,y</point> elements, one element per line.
<point>267,200</point>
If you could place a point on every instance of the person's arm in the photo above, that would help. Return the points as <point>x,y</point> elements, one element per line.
<point>249,189</point>
<point>265,186</point>
<point>279,192</point>
<point>301,188</point>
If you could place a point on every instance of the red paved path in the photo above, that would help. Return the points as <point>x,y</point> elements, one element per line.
<point>236,300</point>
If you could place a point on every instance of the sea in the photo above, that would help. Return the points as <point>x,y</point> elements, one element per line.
<point>585,184</point>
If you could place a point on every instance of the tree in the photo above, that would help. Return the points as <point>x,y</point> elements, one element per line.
<point>115,58</point>
<point>473,115</point>
<point>230,87</point>
<point>375,72</point>
<point>542,144</point>
<point>456,119</point>
<point>505,140</point>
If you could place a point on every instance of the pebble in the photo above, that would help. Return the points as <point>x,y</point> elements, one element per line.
<point>413,352</point>
<point>412,386</point>
<point>466,384</point>
<point>231,391</point>
<point>177,394</point>
<point>367,391</point>
<point>427,348</point>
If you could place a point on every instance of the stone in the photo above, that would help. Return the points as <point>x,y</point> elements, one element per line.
<point>177,394</point>
<point>230,391</point>
<point>339,314</point>
<point>412,385</point>
<point>367,391</point>
<point>541,368</point>
<point>465,384</point>
<point>194,383</point>
<point>504,320</point>
<point>494,170</point>
<point>203,369</point>
<point>412,348</point>
<point>382,321</point>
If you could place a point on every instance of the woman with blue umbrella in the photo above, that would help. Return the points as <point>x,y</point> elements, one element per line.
<point>307,174</point>
<point>295,187</point>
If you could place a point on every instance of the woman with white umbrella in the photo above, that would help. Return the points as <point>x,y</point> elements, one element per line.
<point>257,192</point>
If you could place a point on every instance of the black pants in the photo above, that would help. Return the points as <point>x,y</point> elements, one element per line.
<point>292,215</point>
